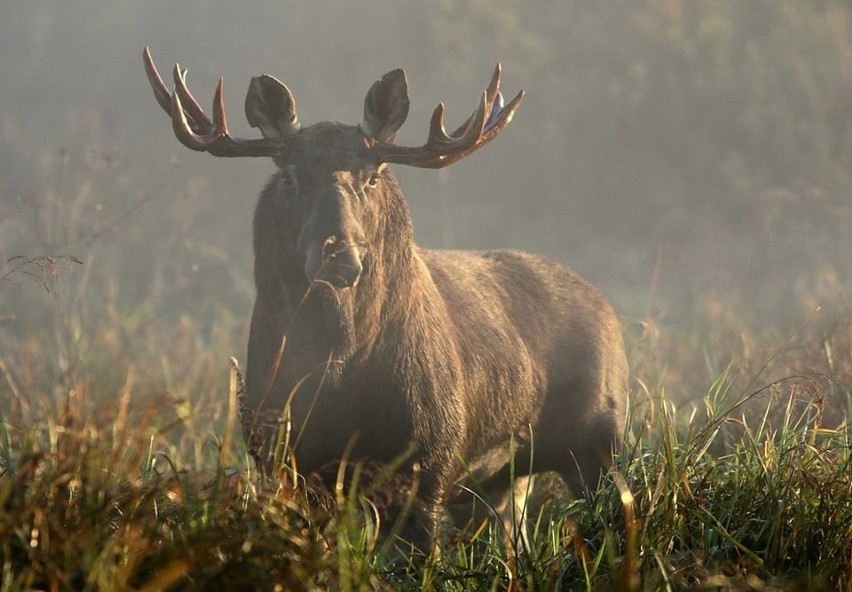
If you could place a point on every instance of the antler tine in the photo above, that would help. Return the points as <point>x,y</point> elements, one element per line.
<point>193,110</point>
<point>477,121</point>
<point>500,119</point>
<point>164,96</point>
<point>493,88</point>
<point>441,149</point>
<point>436,125</point>
<point>492,91</point>
<point>182,128</point>
<point>220,120</point>
<point>161,93</point>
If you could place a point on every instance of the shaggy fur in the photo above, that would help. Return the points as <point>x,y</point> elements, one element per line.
<point>455,353</point>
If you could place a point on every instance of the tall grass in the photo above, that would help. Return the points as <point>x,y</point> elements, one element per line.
<point>748,486</point>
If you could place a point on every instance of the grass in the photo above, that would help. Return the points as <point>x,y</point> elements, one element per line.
<point>747,487</point>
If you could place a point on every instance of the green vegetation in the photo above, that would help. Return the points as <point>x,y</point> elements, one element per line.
<point>108,488</point>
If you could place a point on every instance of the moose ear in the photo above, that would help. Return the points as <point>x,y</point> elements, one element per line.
<point>270,106</point>
<point>386,106</point>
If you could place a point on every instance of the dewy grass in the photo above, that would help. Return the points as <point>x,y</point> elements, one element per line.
<point>742,488</point>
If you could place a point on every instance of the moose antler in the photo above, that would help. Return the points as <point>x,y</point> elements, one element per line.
<point>192,126</point>
<point>441,149</point>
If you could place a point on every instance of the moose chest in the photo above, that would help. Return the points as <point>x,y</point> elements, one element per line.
<point>366,415</point>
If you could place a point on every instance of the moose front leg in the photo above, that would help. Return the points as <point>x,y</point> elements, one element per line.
<point>424,527</point>
<point>441,442</point>
<point>260,418</point>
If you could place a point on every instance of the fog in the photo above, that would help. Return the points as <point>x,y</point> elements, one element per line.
<point>680,155</point>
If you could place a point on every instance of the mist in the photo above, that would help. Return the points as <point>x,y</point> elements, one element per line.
<point>692,159</point>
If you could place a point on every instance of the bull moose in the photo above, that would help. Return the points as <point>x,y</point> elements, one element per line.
<point>361,338</point>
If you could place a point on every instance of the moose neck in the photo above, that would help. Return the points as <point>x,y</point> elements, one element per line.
<point>327,326</point>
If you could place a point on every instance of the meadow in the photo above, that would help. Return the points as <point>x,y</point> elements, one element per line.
<point>693,159</point>
<point>123,465</point>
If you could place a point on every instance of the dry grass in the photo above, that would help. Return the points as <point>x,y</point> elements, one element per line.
<point>127,474</point>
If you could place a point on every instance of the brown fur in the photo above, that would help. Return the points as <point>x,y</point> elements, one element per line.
<point>453,352</point>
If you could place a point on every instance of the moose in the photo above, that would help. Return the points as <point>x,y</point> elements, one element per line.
<point>365,344</point>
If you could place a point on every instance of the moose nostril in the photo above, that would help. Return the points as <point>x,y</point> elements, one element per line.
<point>342,275</point>
<point>349,275</point>
<point>341,266</point>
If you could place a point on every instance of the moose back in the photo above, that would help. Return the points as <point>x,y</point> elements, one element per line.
<point>364,340</point>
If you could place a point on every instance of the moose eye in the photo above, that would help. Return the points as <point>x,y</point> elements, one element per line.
<point>373,180</point>
<point>287,180</point>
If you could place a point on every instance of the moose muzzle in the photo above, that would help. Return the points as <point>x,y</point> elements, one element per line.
<point>337,263</point>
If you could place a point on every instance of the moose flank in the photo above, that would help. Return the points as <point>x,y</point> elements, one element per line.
<point>362,339</point>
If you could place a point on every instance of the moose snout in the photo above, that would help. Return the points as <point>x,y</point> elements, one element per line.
<point>340,264</point>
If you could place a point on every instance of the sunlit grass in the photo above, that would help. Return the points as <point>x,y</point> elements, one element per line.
<point>750,485</point>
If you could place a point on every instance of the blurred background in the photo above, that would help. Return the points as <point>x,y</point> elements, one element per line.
<point>691,158</point>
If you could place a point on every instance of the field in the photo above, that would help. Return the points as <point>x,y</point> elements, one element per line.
<point>692,159</point>
<point>123,468</point>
